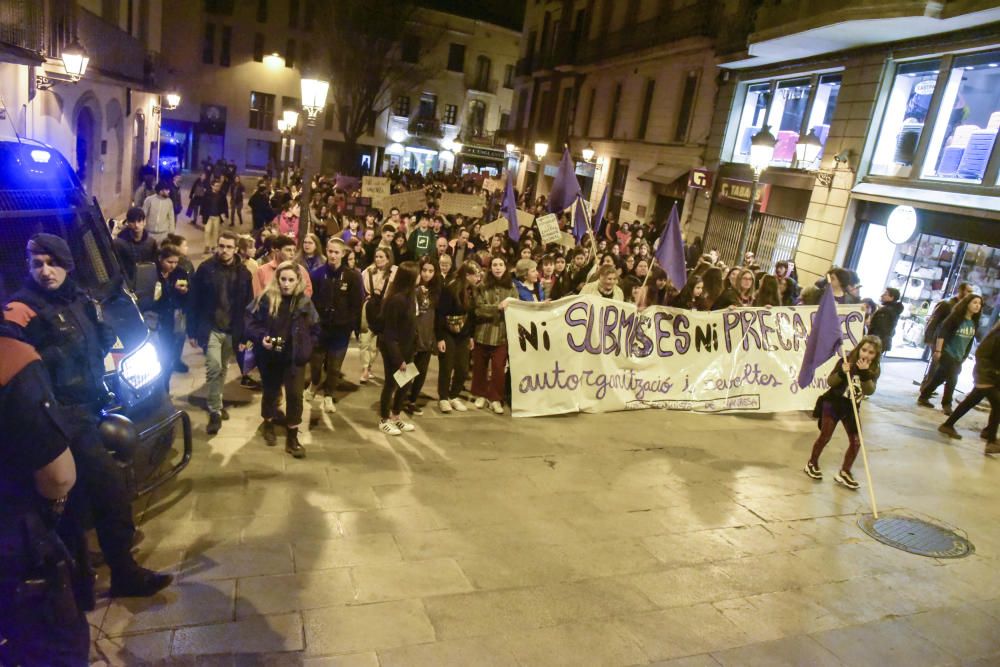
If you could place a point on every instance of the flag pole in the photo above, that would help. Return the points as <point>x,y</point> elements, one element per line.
<point>861,439</point>
<point>586,219</point>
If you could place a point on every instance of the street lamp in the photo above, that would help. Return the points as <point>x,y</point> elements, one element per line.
<point>173,100</point>
<point>75,60</point>
<point>808,149</point>
<point>314,92</point>
<point>541,150</point>
<point>511,148</point>
<point>588,153</point>
<point>761,152</point>
<point>286,125</point>
<point>274,60</point>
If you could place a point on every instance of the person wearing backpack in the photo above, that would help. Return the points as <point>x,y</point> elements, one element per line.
<point>375,279</point>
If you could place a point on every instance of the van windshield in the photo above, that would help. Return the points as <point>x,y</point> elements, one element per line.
<point>96,268</point>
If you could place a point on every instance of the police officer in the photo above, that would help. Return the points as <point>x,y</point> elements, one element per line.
<point>41,622</point>
<point>61,322</point>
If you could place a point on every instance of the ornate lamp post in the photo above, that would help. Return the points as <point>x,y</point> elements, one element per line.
<point>761,152</point>
<point>314,93</point>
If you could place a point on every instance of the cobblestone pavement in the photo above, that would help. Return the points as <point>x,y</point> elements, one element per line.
<point>621,539</point>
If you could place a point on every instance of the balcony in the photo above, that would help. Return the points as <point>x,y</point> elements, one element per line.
<point>426,127</point>
<point>692,22</point>
<point>796,30</point>
<point>112,51</point>
<point>22,25</point>
<point>473,138</point>
<point>562,53</point>
<point>479,85</point>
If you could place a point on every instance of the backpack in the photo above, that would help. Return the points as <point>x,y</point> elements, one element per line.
<point>373,308</point>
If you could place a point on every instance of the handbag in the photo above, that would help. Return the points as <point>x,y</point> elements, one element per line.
<point>455,323</point>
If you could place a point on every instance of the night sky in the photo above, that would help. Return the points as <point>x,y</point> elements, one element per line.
<point>502,12</point>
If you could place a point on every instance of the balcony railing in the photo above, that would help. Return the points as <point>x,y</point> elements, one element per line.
<point>112,50</point>
<point>22,24</point>
<point>425,127</point>
<point>482,138</point>
<point>483,85</point>
<point>676,25</point>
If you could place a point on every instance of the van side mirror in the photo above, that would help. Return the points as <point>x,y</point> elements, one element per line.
<point>145,283</point>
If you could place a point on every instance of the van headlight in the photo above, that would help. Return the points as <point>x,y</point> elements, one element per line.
<point>141,367</point>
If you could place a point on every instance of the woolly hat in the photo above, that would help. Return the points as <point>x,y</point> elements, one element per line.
<point>50,244</point>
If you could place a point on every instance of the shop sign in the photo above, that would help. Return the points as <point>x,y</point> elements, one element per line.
<point>480,151</point>
<point>901,224</point>
<point>736,192</point>
<point>700,179</point>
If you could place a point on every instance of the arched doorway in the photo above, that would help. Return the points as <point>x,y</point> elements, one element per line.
<point>85,149</point>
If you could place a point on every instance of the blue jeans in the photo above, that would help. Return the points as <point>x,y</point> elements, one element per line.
<point>217,355</point>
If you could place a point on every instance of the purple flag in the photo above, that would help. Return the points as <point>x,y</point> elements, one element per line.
<point>565,187</point>
<point>347,183</point>
<point>670,251</point>
<point>824,338</point>
<point>579,221</point>
<point>508,206</point>
<point>602,208</point>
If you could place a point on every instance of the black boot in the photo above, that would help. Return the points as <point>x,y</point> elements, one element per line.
<point>137,582</point>
<point>270,438</point>
<point>292,445</point>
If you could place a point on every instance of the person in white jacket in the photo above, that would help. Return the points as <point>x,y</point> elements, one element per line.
<point>159,209</point>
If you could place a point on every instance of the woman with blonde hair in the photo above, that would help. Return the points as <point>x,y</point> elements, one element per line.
<point>282,324</point>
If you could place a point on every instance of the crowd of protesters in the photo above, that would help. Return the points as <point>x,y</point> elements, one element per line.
<point>413,285</point>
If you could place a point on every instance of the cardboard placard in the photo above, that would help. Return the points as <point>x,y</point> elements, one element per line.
<point>567,239</point>
<point>548,228</point>
<point>375,187</point>
<point>406,202</point>
<point>494,184</point>
<point>471,206</point>
<point>498,226</point>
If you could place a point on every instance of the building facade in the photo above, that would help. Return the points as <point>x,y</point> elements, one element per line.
<point>633,81</point>
<point>106,123</point>
<point>233,93</point>
<point>905,188</point>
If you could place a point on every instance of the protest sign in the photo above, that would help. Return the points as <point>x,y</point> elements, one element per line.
<point>374,187</point>
<point>471,206</point>
<point>406,202</point>
<point>498,226</point>
<point>494,184</point>
<point>548,228</point>
<point>566,239</point>
<point>525,219</point>
<point>589,354</point>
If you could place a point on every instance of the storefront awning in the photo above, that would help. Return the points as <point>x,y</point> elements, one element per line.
<point>978,206</point>
<point>665,174</point>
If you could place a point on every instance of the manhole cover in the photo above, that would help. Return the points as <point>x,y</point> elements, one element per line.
<point>916,536</point>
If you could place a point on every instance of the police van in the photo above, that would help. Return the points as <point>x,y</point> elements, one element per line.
<point>40,192</point>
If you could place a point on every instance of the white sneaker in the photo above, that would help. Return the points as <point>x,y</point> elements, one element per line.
<point>445,406</point>
<point>388,427</point>
<point>404,426</point>
<point>329,405</point>
<point>497,407</point>
<point>480,402</point>
<point>459,405</point>
<point>308,394</point>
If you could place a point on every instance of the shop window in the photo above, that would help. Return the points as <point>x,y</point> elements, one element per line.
<point>905,115</point>
<point>751,119</point>
<point>785,118</point>
<point>824,104</point>
<point>967,123</point>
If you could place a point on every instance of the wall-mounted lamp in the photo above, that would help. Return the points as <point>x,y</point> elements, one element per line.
<point>541,150</point>
<point>588,153</point>
<point>75,60</point>
<point>808,149</point>
<point>274,60</point>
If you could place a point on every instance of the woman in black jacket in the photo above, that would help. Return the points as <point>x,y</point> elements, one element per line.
<point>986,376</point>
<point>283,325</point>
<point>453,328</point>
<point>397,343</point>
<point>952,344</point>
<point>169,309</point>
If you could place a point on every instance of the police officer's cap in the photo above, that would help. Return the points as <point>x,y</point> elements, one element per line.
<point>50,244</point>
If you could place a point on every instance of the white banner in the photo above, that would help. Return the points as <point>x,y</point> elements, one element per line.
<point>590,354</point>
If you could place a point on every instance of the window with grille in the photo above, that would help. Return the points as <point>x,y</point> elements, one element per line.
<point>450,114</point>
<point>402,106</point>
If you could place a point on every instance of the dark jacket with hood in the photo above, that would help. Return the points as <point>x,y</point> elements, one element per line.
<point>883,323</point>
<point>296,322</point>
<point>337,295</point>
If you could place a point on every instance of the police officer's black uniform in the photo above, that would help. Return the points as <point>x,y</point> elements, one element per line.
<point>41,619</point>
<point>64,327</point>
